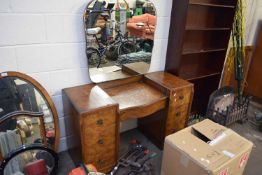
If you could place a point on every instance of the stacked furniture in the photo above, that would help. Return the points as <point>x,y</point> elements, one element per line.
<point>198,41</point>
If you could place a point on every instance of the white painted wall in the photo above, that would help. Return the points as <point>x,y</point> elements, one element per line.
<point>45,39</point>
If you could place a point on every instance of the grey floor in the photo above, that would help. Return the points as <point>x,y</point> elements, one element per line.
<point>254,166</point>
<point>66,163</point>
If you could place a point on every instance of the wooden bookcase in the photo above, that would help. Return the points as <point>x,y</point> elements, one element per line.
<point>198,41</point>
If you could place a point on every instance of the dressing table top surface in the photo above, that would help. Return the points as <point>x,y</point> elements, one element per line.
<point>89,97</point>
<point>136,96</point>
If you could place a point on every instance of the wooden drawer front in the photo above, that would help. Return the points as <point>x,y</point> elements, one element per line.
<point>177,118</point>
<point>98,144</point>
<point>104,164</point>
<point>99,138</point>
<point>101,118</point>
<point>180,97</point>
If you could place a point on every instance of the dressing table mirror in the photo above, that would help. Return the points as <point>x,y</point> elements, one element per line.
<point>121,88</point>
<point>118,33</point>
<point>26,111</point>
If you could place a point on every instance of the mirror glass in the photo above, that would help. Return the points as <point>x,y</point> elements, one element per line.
<point>19,95</point>
<point>31,162</point>
<point>119,34</point>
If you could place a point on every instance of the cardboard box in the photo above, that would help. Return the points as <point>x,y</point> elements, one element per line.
<point>205,148</point>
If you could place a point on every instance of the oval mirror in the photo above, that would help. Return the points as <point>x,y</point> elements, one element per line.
<point>19,92</point>
<point>119,38</point>
<point>33,159</point>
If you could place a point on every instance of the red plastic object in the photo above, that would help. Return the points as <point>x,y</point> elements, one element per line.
<point>146,152</point>
<point>77,171</point>
<point>37,167</point>
<point>133,141</point>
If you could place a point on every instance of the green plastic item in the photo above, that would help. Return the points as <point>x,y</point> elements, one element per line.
<point>128,14</point>
<point>138,12</point>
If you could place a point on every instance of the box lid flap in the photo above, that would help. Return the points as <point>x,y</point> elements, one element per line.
<point>232,144</point>
<point>209,129</point>
<point>197,150</point>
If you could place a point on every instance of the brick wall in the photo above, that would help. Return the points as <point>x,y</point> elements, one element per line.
<point>45,39</point>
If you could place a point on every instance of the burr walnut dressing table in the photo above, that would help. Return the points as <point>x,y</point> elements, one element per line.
<point>123,89</point>
<point>160,101</point>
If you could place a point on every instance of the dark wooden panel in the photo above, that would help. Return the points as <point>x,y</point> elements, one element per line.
<point>153,127</point>
<point>201,64</point>
<point>209,17</point>
<point>198,41</point>
<point>201,40</point>
<point>227,3</point>
<point>254,78</point>
<point>203,88</point>
<point>176,33</point>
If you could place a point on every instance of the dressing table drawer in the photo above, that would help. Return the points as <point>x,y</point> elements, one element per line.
<point>180,96</point>
<point>177,119</point>
<point>104,164</point>
<point>100,155</point>
<point>101,118</point>
<point>179,108</point>
<point>99,139</point>
<point>101,158</point>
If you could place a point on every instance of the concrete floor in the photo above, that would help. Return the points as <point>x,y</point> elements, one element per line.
<point>254,165</point>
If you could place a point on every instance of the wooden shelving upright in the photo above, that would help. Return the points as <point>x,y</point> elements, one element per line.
<point>198,41</point>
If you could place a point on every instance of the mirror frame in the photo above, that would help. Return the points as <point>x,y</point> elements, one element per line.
<point>45,95</point>
<point>30,148</point>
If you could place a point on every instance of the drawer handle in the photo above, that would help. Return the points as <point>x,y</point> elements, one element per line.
<point>100,141</point>
<point>181,97</point>
<point>178,114</point>
<point>100,122</point>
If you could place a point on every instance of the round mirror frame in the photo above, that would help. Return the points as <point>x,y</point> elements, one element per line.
<point>45,95</point>
<point>30,148</point>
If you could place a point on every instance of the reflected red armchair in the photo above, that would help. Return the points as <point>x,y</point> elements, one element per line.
<point>142,26</point>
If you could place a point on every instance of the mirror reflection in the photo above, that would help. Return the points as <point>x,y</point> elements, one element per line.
<point>118,33</point>
<point>21,130</point>
<point>31,162</point>
<point>19,95</point>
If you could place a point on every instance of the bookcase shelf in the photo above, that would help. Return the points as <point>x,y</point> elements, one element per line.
<point>198,41</point>
<point>212,5</point>
<point>194,51</point>
<point>204,74</point>
<point>229,3</point>
<point>207,17</point>
<point>207,29</point>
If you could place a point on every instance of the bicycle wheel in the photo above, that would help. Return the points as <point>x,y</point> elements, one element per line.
<point>112,53</point>
<point>126,48</point>
<point>92,55</point>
